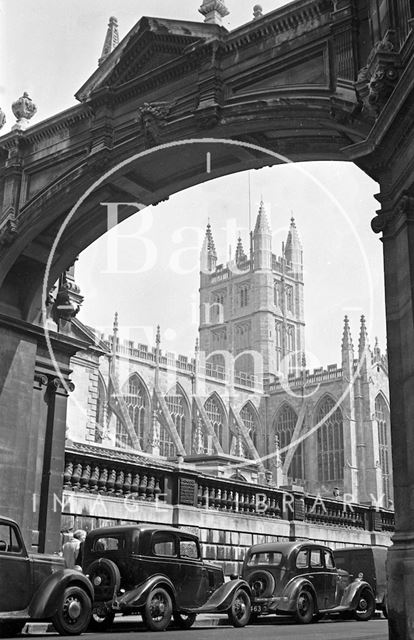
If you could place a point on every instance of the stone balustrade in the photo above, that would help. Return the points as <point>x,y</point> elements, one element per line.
<point>132,476</point>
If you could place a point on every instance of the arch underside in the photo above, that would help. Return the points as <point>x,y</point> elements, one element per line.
<point>269,134</point>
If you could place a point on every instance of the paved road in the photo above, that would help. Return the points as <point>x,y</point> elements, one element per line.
<point>331,630</point>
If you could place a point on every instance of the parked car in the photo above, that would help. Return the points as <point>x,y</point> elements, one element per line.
<point>158,572</point>
<point>370,561</point>
<point>300,579</point>
<point>38,587</point>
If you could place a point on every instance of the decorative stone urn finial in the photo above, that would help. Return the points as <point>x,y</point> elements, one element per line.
<point>214,11</point>
<point>2,118</point>
<point>24,108</point>
<point>257,12</point>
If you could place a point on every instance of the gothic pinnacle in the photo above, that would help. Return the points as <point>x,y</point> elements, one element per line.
<point>111,39</point>
<point>115,325</point>
<point>363,337</point>
<point>346,336</point>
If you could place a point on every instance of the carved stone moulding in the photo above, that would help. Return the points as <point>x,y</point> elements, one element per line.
<point>152,117</point>
<point>390,215</point>
<point>24,108</point>
<point>378,78</point>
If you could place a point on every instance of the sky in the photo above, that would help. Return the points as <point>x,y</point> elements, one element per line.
<point>49,48</point>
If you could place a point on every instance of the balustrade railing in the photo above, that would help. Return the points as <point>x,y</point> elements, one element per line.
<point>134,478</point>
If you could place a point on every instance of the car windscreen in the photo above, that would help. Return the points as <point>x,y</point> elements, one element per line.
<point>265,557</point>
<point>108,543</point>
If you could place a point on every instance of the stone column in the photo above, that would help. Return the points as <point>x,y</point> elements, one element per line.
<point>396,222</point>
<point>32,429</point>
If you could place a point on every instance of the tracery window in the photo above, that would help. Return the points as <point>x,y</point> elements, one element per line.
<point>284,428</point>
<point>136,400</point>
<point>330,442</point>
<point>215,414</point>
<point>244,296</point>
<point>100,412</point>
<point>177,407</point>
<point>382,418</point>
<point>289,298</point>
<point>248,416</point>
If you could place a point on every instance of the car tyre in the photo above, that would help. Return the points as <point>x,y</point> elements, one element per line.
<point>105,577</point>
<point>239,612</point>
<point>305,607</point>
<point>366,606</point>
<point>11,628</point>
<point>157,610</point>
<point>101,621</point>
<point>74,612</point>
<point>262,584</point>
<point>184,620</point>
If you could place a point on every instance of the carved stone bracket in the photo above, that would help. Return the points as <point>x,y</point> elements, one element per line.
<point>8,228</point>
<point>152,118</point>
<point>385,218</point>
<point>378,78</point>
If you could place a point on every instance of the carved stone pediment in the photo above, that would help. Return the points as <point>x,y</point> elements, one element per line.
<point>152,48</point>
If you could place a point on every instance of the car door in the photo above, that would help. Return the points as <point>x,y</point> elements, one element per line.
<point>15,570</point>
<point>331,579</point>
<point>317,576</point>
<point>192,590</point>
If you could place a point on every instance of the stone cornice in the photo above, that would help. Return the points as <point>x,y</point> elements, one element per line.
<point>278,21</point>
<point>48,127</point>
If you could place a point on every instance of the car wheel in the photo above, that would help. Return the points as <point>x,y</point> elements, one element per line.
<point>157,611</point>
<point>305,607</point>
<point>74,612</point>
<point>239,612</point>
<point>262,584</point>
<point>11,628</point>
<point>365,607</point>
<point>105,577</point>
<point>101,619</point>
<point>184,620</point>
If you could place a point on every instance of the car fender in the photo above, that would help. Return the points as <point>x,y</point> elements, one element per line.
<point>137,597</point>
<point>222,597</point>
<point>47,597</point>
<point>291,591</point>
<point>351,594</point>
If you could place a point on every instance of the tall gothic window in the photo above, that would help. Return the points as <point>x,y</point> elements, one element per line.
<point>330,442</point>
<point>289,298</point>
<point>284,429</point>
<point>278,343</point>
<point>177,407</point>
<point>382,418</point>
<point>248,416</point>
<point>215,413</point>
<point>290,338</point>
<point>136,400</point>
<point>100,412</point>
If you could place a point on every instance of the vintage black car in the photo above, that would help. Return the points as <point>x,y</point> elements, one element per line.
<point>371,563</point>
<point>158,572</point>
<point>38,587</point>
<point>300,579</point>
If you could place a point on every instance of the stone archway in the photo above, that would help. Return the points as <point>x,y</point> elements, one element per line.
<point>313,80</point>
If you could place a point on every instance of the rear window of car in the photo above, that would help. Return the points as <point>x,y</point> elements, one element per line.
<point>265,557</point>
<point>164,544</point>
<point>9,541</point>
<point>108,543</point>
<point>189,549</point>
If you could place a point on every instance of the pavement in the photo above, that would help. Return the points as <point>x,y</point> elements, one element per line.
<point>134,622</point>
